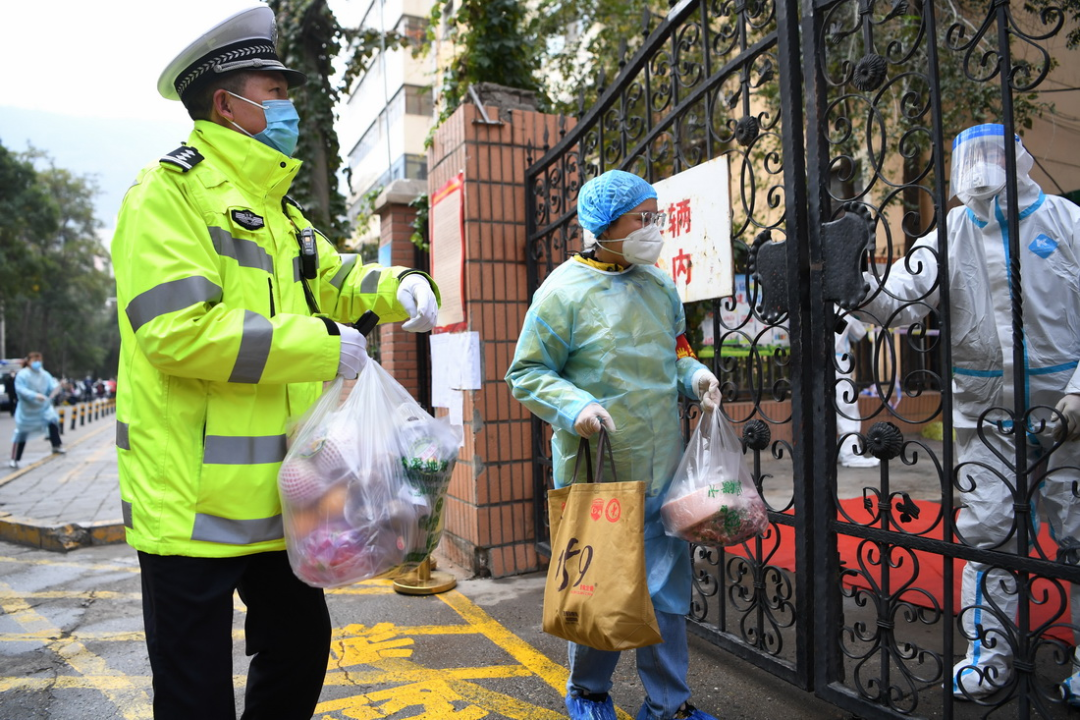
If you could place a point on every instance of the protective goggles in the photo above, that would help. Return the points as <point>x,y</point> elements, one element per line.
<point>659,219</point>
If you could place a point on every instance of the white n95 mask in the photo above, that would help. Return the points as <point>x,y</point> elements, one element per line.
<point>984,180</point>
<point>641,247</point>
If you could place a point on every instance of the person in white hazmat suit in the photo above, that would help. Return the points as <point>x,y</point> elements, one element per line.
<point>848,422</point>
<point>980,316</point>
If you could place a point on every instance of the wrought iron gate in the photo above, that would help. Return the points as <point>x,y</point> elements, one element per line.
<point>836,118</point>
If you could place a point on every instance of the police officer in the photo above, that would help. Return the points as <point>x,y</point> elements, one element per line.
<point>232,312</point>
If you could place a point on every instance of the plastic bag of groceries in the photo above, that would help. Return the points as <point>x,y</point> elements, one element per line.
<point>712,499</point>
<point>363,483</point>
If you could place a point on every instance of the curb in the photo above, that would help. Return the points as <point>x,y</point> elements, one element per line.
<point>58,537</point>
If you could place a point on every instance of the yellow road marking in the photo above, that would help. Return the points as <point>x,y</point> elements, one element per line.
<point>128,697</point>
<point>377,658</point>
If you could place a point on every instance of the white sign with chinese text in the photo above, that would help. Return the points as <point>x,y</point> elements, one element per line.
<point>697,237</point>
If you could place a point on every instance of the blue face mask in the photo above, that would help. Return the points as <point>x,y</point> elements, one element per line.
<point>282,124</point>
<point>36,365</point>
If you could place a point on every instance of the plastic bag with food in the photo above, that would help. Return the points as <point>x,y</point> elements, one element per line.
<point>712,499</point>
<point>363,483</point>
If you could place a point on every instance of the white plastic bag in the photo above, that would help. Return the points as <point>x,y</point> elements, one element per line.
<point>712,499</point>
<point>363,483</point>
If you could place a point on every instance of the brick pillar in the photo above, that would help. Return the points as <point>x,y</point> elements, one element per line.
<point>489,511</point>
<point>400,351</point>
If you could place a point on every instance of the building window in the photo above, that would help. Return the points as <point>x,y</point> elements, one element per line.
<point>414,28</point>
<point>418,101</point>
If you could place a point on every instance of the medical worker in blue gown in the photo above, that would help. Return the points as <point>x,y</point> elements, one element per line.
<point>35,413</point>
<point>603,344</point>
<point>980,316</point>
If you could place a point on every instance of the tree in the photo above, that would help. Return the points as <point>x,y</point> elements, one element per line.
<point>309,38</point>
<point>493,43</point>
<point>582,45</point>
<point>27,214</point>
<point>56,291</point>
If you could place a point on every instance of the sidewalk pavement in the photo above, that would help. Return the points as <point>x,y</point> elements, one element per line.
<point>62,502</point>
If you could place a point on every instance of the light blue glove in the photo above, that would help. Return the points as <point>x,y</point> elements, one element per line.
<point>590,419</point>
<point>708,390</point>
<point>1069,430</point>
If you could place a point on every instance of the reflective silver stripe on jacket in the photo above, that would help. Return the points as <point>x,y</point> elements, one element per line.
<point>254,450</point>
<point>169,297</point>
<point>125,510</point>
<point>254,349</point>
<point>122,436</point>
<point>211,528</point>
<point>370,283</point>
<point>247,253</point>
<point>348,260</point>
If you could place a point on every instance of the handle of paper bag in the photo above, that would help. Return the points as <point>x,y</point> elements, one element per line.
<point>583,447</point>
<point>603,445</point>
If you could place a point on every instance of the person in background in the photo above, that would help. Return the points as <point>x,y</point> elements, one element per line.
<point>983,379</point>
<point>233,312</point>
<point>9,390</point>
<point>604,345</point>
<point>35,388</point>
<point>848,422</point>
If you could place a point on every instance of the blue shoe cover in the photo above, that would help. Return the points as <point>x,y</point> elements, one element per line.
<point>582,709</point>
<point>1071,690</point>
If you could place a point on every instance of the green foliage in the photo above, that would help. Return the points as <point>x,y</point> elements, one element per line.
<point>55,285</point>
<point>309,38</point>
<point>583,45</point>
<point>366,212</point>
<point>362,44</point>
<point>492,44</point>
<point>29,218</point>
<point>419,236</point>
<point>1069,8</point>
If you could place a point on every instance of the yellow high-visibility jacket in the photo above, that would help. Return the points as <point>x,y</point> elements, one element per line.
<point>219,342</point>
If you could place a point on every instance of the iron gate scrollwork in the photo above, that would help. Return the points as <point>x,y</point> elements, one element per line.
<point>852,591</point>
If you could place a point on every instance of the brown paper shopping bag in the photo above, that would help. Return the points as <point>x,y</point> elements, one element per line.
<point>596,592</point>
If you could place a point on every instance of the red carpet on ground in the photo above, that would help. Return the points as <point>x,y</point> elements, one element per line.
<point>911,579</point>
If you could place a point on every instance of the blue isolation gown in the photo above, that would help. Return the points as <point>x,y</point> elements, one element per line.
<point>610,337</point>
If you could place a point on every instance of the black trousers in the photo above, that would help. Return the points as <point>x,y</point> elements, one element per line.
<point>188,616</point>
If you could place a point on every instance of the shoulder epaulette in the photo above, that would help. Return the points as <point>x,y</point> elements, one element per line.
<point>286,200</point>
<point>184,157</point>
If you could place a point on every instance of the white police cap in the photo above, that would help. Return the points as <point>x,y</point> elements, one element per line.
<point>245,40</point>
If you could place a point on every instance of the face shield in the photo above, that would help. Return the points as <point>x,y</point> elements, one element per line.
<point>978,163</point>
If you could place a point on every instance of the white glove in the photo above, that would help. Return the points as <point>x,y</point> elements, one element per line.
<point>353,352</point>
<point>415,295</point>
<point>1069,407</point>
<point>589,420</point>
<point>708,390</point>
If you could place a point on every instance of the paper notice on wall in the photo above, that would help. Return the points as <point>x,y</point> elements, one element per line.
<point>457,408</point>
<point>455,366</point>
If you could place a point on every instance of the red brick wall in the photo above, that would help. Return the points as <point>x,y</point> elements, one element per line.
<point>489,509</point>
<point>399,350</point>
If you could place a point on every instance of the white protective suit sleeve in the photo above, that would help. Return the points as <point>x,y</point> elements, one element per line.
<point>909,280</point>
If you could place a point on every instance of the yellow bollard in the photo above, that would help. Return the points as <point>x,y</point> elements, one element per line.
<point>82,414</point>
<point>61,421</point>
